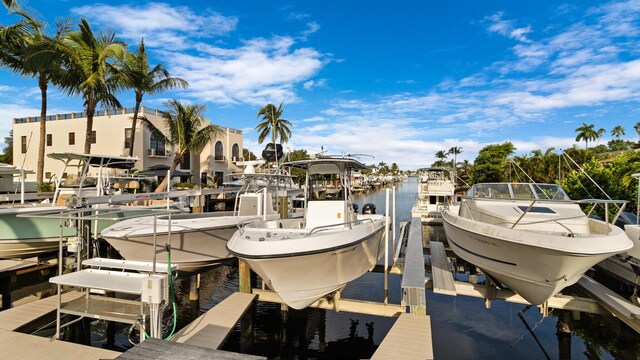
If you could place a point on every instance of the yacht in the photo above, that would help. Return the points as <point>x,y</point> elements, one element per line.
<point>436,186</point>
<point>531,237</point>
<point>307,258</point>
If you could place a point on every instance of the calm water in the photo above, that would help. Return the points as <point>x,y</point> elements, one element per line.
<point>462,327</point>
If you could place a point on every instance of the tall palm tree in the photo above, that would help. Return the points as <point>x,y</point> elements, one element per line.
<point>186,131</point>
<point>617,131</point>
<point>90,72</point>
<point>137,74</point>
<point>31,56</point>
<point>455,151</point>
<point>273,124</point>
<point>636,127</point>
<point>600,133</point>
<point>586,133</point>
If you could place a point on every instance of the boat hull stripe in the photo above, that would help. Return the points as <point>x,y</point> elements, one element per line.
<point>482,256</point>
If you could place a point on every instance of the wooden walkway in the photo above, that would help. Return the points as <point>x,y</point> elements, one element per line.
<point>212,328</point>
<point>442,278</point>
<point>17,345</point>
<point>14,318</point>
<point>152,349</point>
<point>413,292</point>
<point>409,338</point>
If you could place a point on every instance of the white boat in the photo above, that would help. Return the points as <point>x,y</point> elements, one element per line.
<point>530,237</point>
<point>306,259</point>
<point>436,186</point>
<point>197,240</point>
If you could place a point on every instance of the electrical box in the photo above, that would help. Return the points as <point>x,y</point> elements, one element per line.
<point>154,289</point>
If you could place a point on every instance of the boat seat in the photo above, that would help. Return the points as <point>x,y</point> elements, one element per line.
<point>325,212</point>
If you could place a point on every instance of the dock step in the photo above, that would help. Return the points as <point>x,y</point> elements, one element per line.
<point>409,338</point>
<point>443,282</point>
<point>159,349</point>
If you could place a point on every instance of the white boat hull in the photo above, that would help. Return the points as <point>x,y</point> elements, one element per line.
<point>517,259</point>
<point>197,240</point>
<point>301,278</point>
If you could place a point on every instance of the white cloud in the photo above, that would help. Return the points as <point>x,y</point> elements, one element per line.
<point>160,24</point>
<point>259,71</point>
<point>311,84</point>
<point>507,28</point>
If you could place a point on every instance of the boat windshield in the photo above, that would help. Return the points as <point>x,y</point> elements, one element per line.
<point>518,191</point>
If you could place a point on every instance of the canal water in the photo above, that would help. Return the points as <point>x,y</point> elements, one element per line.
<point>462,327</point>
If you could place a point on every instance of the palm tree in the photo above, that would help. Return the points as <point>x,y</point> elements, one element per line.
<point>600,133</point>
<point>636,127</point>
<point>9,4</point>
<point>586,133</point>
<point>90,72</point>
<point>441,155</point>
<point>31,55</point>
<point>137,74</point>
<point>455,151</point>
<point>187,132</point>
<point>273,124</point>
<point>617,131</point>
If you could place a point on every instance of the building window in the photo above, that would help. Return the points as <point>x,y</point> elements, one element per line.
<point>72,138</point>
<point>218,151</point>
<point>128,134</point>
<point>23,144</point>
<point>93,137</point>
<point>156,146</point>
<point>49,139</point>
<point>47,174</point>
<point>203,178</point>
<point>235,152</point>
<point>218,178</point>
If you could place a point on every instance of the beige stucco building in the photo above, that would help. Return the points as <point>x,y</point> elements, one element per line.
<point>111,136</point>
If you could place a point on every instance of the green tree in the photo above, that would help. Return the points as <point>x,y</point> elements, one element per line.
<point>440,155</point>
<point>394,169</point>
<point>491,163</point>
<point>617,131</point>
<point>32,57</point>
<point>89,64</point>
<point>586,133</point>
<point>7,153</point>
<point>247,155</point>
<point>636,127</point>
<point>298,174</point>
<point>137,74</point>
<point>187,132</point>
<point>273,123</point>
<point>455,151</point>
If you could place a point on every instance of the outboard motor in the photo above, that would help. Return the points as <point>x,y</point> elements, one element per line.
<point>354,206</point>
<point>369,208</point>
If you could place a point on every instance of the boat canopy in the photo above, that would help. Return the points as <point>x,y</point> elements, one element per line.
<point>109,161</point>
<point>518,191</point>
<point>326,165</point>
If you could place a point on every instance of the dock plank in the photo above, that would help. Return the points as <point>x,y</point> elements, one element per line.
<point>12,265</point>
<point>212,328</point>
<point>152,349</point>
<point>412,284</point>
<point>14,318</point>
<point>409,338</point>
<point>443,282</point>
<point>16,345</point>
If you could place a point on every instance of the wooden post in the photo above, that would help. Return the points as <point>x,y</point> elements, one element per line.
<point>194,294</point>
<point>283,207</point>
<point>5,291</point>
<point>244,274</point>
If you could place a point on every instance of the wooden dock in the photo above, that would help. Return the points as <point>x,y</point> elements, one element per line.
<point>9,269</point>
<point>152,349</point>
<point>409,338</point>
<point>17,345</point>
<point>212,328</point>
<point>17,317</point>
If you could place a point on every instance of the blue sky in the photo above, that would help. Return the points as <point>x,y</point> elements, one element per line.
<point>396,80</point>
